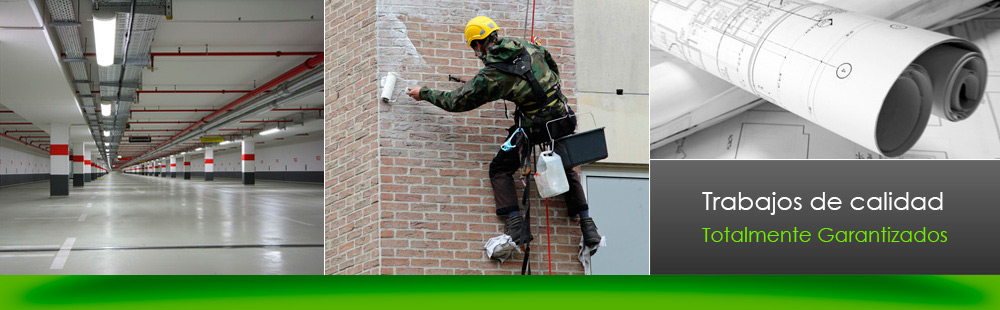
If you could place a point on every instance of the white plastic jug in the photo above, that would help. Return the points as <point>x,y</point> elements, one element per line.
<point>550,176</point>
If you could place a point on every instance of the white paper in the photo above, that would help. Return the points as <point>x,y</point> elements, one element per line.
<point>829,66</point>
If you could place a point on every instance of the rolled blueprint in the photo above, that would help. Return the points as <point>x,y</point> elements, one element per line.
<point>872,81</point>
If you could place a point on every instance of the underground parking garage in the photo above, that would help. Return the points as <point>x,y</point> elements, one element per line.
<point>161,137</point>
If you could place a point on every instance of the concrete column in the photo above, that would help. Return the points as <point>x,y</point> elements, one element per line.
<point>165,165</point>
<point>209,164</point>
<point>78,164</point>
<point>173,166</point>
<point>187,166</point>
<point>87,173</point>
<point>248,162</point>
<point>59,160</point>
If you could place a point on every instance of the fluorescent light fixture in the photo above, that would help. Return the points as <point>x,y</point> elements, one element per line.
<point>270,131</point>
<point>182,153</point>
<point>225,142</point>
<point>198,149</point>
<point>107,133</point>
<point>105,28</point>
<point>107,143</point>
<point>106,108</point>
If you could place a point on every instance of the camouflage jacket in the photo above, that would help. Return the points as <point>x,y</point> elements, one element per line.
<point>491,84</point>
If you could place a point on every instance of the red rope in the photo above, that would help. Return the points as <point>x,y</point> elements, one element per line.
<point>533,39</point>
<point>548,235</point>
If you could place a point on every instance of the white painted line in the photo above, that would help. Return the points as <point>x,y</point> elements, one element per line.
<point>28,247</point>
<point>285,218</point>
<point>25,255</point>
<point>82,217</point>
<point>45,218</point>
<point>90,204</point>
<point>63,254</point>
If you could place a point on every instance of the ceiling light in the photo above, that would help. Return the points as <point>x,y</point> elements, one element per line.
<point>107,133</point>
<point>106,108</point>
<point>105,28</point>
<point>107,143</point>
<point>270,131</point>
<point>225,142</point>
<point>198,149</point>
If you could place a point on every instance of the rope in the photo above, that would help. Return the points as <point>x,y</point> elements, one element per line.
<point>548,235</point>
<point>532,20</point>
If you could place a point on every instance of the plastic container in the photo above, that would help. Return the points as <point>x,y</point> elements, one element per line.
<point>551,176</point>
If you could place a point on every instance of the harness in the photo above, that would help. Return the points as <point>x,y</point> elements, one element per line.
<point>521,67</point>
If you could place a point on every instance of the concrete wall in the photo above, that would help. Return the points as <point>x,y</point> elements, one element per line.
<point>350,142</point>
<point>613,54</point>
<point>21,164</point>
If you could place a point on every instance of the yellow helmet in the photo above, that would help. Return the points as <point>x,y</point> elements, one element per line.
<point>479,28</point>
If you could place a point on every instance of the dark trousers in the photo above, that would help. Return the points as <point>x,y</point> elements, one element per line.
<point>505,163</point>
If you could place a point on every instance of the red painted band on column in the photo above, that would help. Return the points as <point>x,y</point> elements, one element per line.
<point>173,165</point>
<point>248,157</point>
<point>187,163</point>
<point>77,158</point>
<point>59,149</point>
<point>209,161</point>
<point>86,162</point>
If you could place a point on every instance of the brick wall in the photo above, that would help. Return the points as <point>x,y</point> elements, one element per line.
<point>350,142</point>
<point>437,208</point>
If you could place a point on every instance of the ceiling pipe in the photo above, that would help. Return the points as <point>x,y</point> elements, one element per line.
<point>300,89</point>
<point>25,143</point>
<point>305,66</point>
<point>203,54</point>
<point>213,110</point>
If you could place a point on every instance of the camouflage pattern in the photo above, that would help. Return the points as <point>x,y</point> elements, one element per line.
<point>490,84</point>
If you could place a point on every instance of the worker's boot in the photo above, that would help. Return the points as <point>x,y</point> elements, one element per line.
<point>514,227</point>
<point>589,229</point>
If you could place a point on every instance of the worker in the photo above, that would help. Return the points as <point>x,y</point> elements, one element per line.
<point>524,73</point>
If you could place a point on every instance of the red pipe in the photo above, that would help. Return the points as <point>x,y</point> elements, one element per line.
<point>22,142</point>
<point>192,91</point>
<point>305,66</point>
<point>6,111</point>
<point>212,110</point>
<point>161,122</point>
<point>15,124</point>
<point>273,121</point>
<point>153,130</point>
<point>276,54</point>
<point>24,131</point>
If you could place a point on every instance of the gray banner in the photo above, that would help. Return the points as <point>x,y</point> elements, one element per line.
<point>968,216</point>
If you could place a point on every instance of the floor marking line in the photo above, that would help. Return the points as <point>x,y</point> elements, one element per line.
<point>82,217</point>
<point>90,204</point>
<point>25,255</point>
<point>63,254</point>
<point>23,247</point>
<point>46,218</point>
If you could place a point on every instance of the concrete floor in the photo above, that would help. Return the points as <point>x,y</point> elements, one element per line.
<point>129,224</point>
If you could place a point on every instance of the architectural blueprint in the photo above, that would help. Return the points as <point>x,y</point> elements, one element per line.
<point>851,94</point>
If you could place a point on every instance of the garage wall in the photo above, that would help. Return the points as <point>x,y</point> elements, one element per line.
<point>20,164</point>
